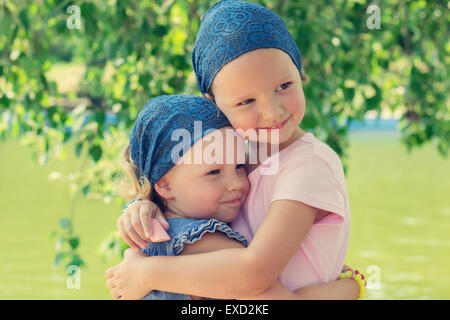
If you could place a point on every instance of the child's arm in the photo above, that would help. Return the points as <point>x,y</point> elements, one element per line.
<point>130,282</point>
<point>345,289</point>
<point>237,272</point>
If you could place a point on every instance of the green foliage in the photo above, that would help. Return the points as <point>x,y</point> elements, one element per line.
<point>66,245</point>
<point>59,87</point>
<point>113,246</point>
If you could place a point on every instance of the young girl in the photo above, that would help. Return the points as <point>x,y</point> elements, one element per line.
<point>298,219</point>
<point>197,194</point>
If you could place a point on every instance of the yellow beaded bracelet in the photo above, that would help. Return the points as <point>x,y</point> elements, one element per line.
<point>359,278</point>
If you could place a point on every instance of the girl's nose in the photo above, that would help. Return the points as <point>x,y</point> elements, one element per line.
<point>271,110</point>
<point>235,183</point>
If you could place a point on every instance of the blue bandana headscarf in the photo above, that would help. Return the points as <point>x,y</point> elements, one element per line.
<point>151,144</point>
<point>231,28</point>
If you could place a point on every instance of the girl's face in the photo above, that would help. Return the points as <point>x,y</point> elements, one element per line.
<point>261,89</point>
<point>203,191</point>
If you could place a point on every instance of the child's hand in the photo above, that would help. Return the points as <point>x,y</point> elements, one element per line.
<point>141,223</point>
<point>124,280</point>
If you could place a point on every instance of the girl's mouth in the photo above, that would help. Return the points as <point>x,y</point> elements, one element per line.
<point>235,202</point>
<point>279,126</point>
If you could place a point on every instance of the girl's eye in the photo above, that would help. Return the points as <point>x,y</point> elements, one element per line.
<point>245,102</point>
<point>285,86</point>
<point>213,172</point>
<point>240,166</point>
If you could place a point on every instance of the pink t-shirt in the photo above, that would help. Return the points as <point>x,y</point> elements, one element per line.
<point>310,172</point>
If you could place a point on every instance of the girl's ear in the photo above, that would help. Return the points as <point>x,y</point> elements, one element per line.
<point>162,187</point>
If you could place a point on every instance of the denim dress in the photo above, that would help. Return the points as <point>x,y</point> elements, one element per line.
<point>185,231</point>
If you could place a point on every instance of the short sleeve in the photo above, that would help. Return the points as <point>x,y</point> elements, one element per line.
<point>195,230</point>
<point>312,182</point>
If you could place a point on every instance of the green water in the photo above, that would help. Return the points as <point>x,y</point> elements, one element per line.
<point>400,223</point>
<point>400,217</point>
<point>31,208</point>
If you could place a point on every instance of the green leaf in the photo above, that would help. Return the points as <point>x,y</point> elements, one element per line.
<point>64,223</point>
<point>95,152</point>
<point>4,101</point>
<point>75,261</point>
<point>60,256</point>
<point>160,30</point>
<point>99,117</point>
<point>78,149</point>
<point>57,260</point>
<point>349,93</point>
<point>74,242</point>
<point>85,189</point>
<point>67,135</point>
<point>24,19</point>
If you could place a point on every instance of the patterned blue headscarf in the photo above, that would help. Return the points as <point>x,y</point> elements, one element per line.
<point>231,28</point>
<point>151,144</point>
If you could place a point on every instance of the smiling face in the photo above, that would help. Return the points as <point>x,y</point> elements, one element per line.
<point>262,89</point>
<point>200,190</point>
